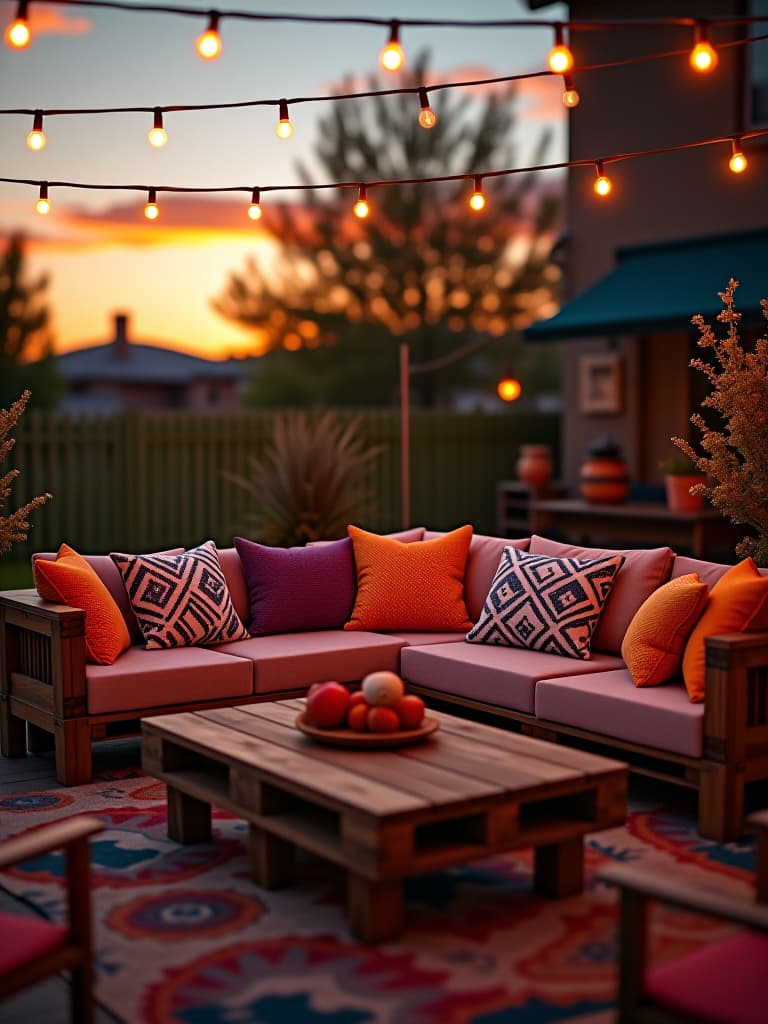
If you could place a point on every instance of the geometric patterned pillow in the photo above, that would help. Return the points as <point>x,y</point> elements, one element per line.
<point>180,600</point>
<point>544,603</point>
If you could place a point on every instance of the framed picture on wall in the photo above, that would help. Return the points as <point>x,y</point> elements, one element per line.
<point>600,383</point>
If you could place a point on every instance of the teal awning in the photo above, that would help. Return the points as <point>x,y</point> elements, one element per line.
<point>660,287</point>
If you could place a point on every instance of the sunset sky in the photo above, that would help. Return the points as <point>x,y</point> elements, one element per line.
<point>101,253</point>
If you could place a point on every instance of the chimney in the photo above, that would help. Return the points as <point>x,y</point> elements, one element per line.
<point>120,344</point>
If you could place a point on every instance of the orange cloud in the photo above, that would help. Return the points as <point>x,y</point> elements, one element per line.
<point>54,21</point>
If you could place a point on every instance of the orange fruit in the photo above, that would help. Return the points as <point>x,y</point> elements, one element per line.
<point>410,711</point>
<point>357,697</point>
<point>357,717</point>
<point>383,719</point>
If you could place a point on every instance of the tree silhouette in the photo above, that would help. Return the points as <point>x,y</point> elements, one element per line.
<point>24,333</point>
<point>423,266</point>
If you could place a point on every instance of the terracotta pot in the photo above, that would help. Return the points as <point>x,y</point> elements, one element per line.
<point>604,476</point>
<point>679,497</point>
<point>534,465</point>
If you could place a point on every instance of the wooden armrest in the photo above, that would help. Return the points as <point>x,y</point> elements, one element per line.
<point>696,898</point>
<point>725,645</point>
<point>52,837</point>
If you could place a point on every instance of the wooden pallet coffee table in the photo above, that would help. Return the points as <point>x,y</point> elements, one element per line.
<point>466,792</point>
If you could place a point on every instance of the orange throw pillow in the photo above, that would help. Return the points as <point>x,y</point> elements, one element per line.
<point>737,602</point>
<point>653,643</point>
<point>410,587</point>
<point>70,580</point>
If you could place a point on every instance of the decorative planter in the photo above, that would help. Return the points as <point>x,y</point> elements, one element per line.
<point>604,478</point>
<point>534,465</point>
<point>679,497</point>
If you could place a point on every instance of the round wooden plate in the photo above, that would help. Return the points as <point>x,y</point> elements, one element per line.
<point>367,740</point>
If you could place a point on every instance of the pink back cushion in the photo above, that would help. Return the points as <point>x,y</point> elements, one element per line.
<point>642,572</point>
<point>482,563</point>
<point>232,568</point>
<point>710,572</point>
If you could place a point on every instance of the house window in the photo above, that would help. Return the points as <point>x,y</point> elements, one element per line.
<point>757,67</point>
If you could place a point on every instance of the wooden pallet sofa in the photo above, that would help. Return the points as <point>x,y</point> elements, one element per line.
<point>51,695</point>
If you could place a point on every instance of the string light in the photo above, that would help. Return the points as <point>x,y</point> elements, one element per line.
<point>703,57</point>
<point>602,184</point>
<point>209,43</point>
<point>254,210</point>
<point>560,58</point>
<point>477,199</point>
<point>43,204</point>
<point>361,208</point>
<point>36,138</point>
<point>17,35</point>
<point>571,96</point>
<point>427,116</point>
<point>157,133</point>
<point>738,162</point>
<point>392,57</point>
<point>152,210</point>
<point>284,128</point>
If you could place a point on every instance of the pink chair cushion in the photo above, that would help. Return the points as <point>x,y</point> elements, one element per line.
<point>238,589</point>
<point>32,938</point>
<point>710,572</point>
<point>642,572</point>
<point>723,983</point>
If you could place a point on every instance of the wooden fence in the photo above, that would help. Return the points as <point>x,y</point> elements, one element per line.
<point>141,482</point>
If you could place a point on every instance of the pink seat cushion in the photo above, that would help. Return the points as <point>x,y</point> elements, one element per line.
<point>425,639</point>
<point>291,661</point>
<point>506,676</point>
<point>609,703</point>
<point>142,679</point>
<point>32,938</point>
<point>723,983</point>
<point>642,572</point>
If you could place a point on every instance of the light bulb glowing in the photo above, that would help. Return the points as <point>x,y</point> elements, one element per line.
<point>284,128</point>
<point>392,57</point>
<point>738,162</point>
<point>157,133</point>
<point>571,96</point>
<point>36,139</point>
<point>509,388</point>
<point>603,184</point>
<point>477,199</point>
<point>703,57</point>
<point>361,208</point>
<point>427,116</point>
<point>17,35</point>
<point>254,210</point>
<point>152,210</point>
<point>43,204</point>
<point>560,58</point>
<point>209,43</point>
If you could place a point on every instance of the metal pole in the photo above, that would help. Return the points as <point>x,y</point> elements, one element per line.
<point>405,436</point>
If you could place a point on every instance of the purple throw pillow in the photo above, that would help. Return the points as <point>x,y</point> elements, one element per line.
<point>297,589</point>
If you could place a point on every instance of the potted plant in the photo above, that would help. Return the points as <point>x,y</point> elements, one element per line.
<point>684,483</point>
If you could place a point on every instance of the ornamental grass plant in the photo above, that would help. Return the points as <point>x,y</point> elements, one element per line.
<point>15,526</point>
<point>735,458</point>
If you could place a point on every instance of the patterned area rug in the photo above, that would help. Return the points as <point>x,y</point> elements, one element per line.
<point>182,934</point>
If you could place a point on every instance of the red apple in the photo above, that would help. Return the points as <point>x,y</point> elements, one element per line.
<point>382,719</point>
<point>327,704</point>
<point>410,711</point>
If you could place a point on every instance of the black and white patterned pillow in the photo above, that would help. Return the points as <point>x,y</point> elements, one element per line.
<point>544,603</point>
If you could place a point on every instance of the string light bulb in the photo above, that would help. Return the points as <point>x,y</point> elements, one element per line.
<point>603,185</point>
<point>43,204</point>
<point>703,57</point>
<point>509,387</point>
<point>284,128</point>
<point>254,210</point>
<point>392,57</point>
<point>17,35</point>
<point>560,58</point>
<point>36,139</point>
<point>152,210</point>
<point>738,162</point>
<point>571,96</point>
<point>361,208</point>
<point>157,133</point>
<point>209,43</point>
<point>477,199</point>
<point>427,116</point>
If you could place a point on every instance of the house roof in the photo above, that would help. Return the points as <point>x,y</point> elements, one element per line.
<point>660,287</point>
<point>145,364</point>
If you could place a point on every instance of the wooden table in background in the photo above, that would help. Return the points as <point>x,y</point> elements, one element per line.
<point>466,792</point>
<point>636,522</point>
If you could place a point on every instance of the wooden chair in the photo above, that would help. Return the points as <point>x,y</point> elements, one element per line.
<point>723,983</point>
<point>33,948</point>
